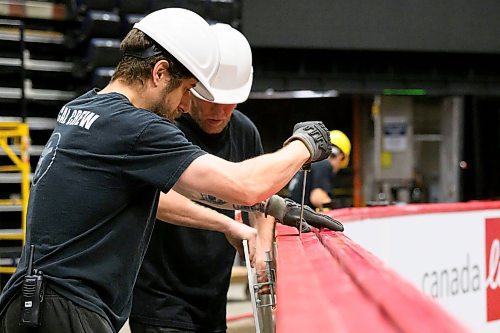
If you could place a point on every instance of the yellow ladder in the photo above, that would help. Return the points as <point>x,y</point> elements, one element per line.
<point>15,141</point>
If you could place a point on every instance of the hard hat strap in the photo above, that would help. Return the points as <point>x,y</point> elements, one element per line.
<point>176,69</point>
<point>144,54</point>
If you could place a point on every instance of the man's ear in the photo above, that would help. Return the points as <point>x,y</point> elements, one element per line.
<point>160,70</point>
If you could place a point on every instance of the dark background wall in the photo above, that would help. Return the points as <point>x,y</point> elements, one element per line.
<point>275,118</point>
<point>362,48</point>
<point>411,25</point>
<point>446,47</point>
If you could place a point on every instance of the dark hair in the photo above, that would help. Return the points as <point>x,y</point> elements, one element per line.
<point>140,54</point>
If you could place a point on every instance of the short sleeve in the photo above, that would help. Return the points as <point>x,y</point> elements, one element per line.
<point>252,141</point>
<point>258,144</point>
<point>160,155</point>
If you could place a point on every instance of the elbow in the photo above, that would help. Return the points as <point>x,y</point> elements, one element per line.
<point>250,199</point>
<point>245,190</point>
<point>251,194</point>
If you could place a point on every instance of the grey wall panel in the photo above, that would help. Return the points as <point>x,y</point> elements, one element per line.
<point>403,25</point>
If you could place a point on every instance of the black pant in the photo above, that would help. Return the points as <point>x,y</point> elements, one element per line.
<point>136,327</point>
<point>58,315</point>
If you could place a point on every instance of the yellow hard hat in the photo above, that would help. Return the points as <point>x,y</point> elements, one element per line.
<point>340,140</point>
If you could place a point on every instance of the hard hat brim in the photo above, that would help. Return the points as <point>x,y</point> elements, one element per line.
<point>225,96</point>
<point>201,90</point>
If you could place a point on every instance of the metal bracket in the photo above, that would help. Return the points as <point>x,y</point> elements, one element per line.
<point>254,286</point>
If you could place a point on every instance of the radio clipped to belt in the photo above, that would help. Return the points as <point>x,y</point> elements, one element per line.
<point>32,294</point>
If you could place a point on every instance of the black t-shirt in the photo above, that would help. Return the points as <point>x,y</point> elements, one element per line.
<point>321,176</point>
<point>185,275</point>
<point>93,200</point>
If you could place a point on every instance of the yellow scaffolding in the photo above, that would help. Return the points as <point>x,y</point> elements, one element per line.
<point>15,141</point>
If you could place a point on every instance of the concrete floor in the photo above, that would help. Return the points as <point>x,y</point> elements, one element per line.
<point>237,305</point>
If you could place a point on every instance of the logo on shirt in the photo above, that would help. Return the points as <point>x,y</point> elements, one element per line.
<point>47,157</point>
<point>492,228</point>
<point>81,118</point>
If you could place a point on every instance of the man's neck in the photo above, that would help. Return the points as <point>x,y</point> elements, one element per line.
<point>134,93</point>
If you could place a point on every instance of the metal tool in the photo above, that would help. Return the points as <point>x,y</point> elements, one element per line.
<point>254,286</point>
<point>306,170</point>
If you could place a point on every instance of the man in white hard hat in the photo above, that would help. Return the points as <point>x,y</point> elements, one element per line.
<point>94,195</point>
<point>185,275</point>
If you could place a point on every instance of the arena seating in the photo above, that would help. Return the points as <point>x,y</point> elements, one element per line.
<point>102,5</point>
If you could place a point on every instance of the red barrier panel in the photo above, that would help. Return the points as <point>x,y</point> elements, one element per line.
<point>327,283</point>
<point>299,292</point>
<point>341,291</point>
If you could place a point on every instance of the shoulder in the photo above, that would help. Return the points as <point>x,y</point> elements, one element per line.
<point>242,126</point>
<point>149,127</point>
<point>140,123</point>
<point>245,134</point>
<point>242,121</point>
<point>321,165</point>
<point>156,128</point>
<point>109,115</point>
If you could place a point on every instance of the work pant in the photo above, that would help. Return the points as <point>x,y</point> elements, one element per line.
<point>58,315</point>
<point>136,327</point>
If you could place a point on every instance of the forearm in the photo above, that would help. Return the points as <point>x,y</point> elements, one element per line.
<point>265,175</point>
<point>246,182</point>
<point>319,197</point>
<point>259,207</point>
<point>219,203</point>
<point>179,210</point>
<point>265,230</point>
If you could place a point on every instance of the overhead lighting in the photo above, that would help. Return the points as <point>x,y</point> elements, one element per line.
<point>272,94</point>
<point>405,92</point>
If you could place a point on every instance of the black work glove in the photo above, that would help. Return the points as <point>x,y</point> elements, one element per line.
<point>287,212</point>
<point>315,137</point>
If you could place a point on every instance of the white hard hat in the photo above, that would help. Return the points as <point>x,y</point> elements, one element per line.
<point>189,38</point>
<point>233,80</point>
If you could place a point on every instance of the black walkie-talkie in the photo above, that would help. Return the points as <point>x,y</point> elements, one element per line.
<point>32,294</point>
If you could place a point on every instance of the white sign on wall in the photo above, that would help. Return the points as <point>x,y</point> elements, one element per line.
<point>395,137</point>
<point>452,257</point>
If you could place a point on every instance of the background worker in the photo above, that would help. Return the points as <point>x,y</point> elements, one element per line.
<point>94,196</point>
<point>320,180</point>
<point>185,275</point>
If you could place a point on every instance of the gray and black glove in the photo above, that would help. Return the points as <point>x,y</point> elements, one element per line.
<point>287,212</point>
<point>315,137</point>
